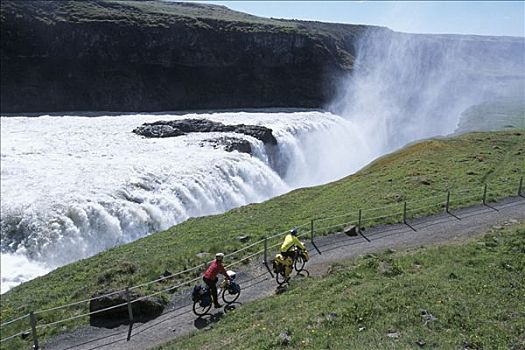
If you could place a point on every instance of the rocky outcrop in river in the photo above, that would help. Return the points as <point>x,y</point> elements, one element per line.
<point>171,128</point>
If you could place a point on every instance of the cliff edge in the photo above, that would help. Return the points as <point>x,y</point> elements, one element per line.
<point>155,56</point>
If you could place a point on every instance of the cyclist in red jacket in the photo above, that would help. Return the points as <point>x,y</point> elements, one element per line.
<point>210,277</point>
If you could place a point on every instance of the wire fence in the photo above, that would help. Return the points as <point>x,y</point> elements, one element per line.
<point>399,212</point>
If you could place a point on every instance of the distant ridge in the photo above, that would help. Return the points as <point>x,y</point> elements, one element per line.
<point>151,56</point>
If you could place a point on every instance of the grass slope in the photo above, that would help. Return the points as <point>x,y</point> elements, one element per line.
<point>491,116</point>
<point>165,14</point>
<point>469,296</point>
<point>414,173</point>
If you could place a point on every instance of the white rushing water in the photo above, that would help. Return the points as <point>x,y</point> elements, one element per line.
<point>74,186</point>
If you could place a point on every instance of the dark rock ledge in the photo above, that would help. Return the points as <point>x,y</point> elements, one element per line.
<point>175,128</point>
<point>230,144</point>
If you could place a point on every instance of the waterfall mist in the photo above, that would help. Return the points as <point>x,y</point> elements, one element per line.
<point>406,87</point>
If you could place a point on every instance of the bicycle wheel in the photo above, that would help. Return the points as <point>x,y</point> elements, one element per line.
<point>230,297</point>
<point>280,279</point>
<point>200,310</point>
<point>299,264</point>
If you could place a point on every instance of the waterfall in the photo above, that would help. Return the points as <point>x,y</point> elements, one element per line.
<point>75,186</point>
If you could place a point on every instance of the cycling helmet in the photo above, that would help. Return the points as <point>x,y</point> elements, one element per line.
<point>293,232</point>
<point>219,256</point>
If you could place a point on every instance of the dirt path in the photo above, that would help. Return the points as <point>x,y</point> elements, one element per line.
<point>256,283</point>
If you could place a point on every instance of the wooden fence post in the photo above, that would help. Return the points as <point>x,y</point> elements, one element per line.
<point>265,262</point>
<point>520,187</point>
<point>405,213</point>
<point>312,230</point>
<point>485,195</point>
<point>359,221</point>
<point>405,217</point>
<point>130,314</point>
<point>32,319</point>
<point>266,250</point>
<point>312,236</point>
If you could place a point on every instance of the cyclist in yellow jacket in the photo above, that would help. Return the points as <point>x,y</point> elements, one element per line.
<point>287,250</point>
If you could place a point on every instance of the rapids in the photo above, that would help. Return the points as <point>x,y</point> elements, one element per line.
<point>74,186</point>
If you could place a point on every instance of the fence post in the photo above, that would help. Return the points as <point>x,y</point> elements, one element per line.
<point>266,250</point>
<point>405,217</point>
<point>359,221</point>
<point>32,319</point>
<point>484,194</point>
<point>520,186</point>
<point>447,207</point>
<point>312,236</point>
<point>265,262</point>
<point>130,314</point>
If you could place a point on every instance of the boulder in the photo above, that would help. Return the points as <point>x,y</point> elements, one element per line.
<point>143,310</point>
<point>244,239</point>
<point>284,339</point>
<point>351,230</point>
<point>239,145</point>
<point>259,132</point>
<point>392,334</point>
<point>158,131</point>
<point>166,273</point>
<point>242,147</point>
<point>427,316</point>
<point>230,144</point>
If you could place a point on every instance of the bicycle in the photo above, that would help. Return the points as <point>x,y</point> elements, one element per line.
<point>298,261</point>
<point>228,290</point>
<point>300,258</point>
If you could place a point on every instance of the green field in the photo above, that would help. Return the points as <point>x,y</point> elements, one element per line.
<point>468,295</point>
<point>492,116</point>
<point>416,173</point>
<point>165,14</point>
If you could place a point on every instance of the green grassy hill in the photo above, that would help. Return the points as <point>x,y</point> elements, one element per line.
<point>415,173</point>
<point>457,296</point>
<point>492,116</point>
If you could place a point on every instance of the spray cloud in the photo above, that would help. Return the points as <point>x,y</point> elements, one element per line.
<point>407,87</point>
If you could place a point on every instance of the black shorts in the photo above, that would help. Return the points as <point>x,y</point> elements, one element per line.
<point>289,254</point>
<point>210,283</point>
